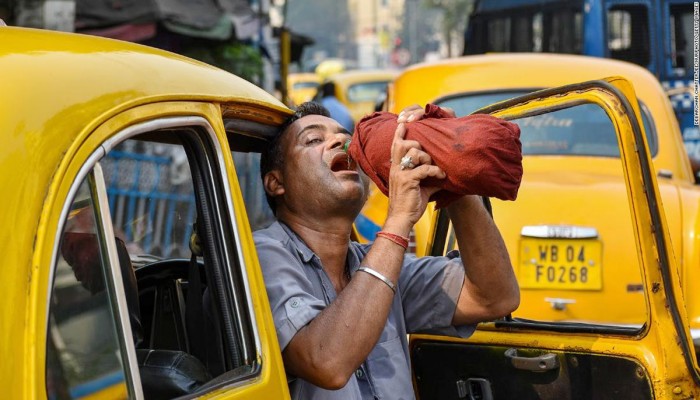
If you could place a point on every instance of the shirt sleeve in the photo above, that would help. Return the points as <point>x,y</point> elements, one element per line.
<point>288,289</point>
<point>430,288</point>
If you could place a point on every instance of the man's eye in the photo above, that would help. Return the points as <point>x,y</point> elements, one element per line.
<point>313,140</point>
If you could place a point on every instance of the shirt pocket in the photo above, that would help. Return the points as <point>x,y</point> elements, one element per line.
<point>389,371</point>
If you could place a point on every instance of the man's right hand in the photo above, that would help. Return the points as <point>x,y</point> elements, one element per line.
<point>407,198</point>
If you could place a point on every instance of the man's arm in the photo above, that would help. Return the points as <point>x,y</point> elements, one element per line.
<point>490,289</point>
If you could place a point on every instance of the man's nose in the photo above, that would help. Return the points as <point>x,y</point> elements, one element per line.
<point>339,140</point>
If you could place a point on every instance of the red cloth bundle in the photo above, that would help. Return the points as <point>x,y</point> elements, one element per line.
<point>480,154</point>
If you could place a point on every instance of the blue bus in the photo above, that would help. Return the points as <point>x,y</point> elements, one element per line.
<point>656,34</point>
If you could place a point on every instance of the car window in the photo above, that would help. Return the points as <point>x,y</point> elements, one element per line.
<point>305,85</point>
<point>83,351</point>
<point>628,33</point>
<point>182,278</point>
<point>578,131</point>
<point>681,36</point>
<point>570,232</point>
<point>248,172</point>
<point>151,197</point>
<point>366,91</point>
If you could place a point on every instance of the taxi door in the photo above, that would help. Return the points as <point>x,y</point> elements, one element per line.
<point>652,358</point>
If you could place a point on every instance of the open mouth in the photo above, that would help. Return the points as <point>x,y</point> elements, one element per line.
<point>342,162</point>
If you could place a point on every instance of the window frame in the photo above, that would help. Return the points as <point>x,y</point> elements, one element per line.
<point>215,178</point>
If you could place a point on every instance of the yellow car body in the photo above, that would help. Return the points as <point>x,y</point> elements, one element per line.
<point>302,86</point>
<point>553,183</point>
<point>66,101</point>
<point>361,90</point>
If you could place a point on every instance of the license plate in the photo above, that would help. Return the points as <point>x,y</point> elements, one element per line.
<point>567,264</point>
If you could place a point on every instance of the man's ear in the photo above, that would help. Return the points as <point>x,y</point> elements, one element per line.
<point>273,183</point>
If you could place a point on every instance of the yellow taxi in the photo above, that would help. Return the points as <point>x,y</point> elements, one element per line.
<point>115,157</point>
<point>602,235</point>
<point>302,86</point>
<point>568,232</point>
<point>361,90</point>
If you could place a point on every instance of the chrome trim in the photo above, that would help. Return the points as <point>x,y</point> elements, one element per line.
<point>117,298</point>
<point>559,304</point>
<point>559,231</point>
<point>75,186</point>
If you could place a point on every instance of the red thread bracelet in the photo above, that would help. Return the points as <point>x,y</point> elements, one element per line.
<point>398,239</point>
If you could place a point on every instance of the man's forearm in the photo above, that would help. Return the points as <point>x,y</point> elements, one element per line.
<point>333,345</point>
<point>490,289</point>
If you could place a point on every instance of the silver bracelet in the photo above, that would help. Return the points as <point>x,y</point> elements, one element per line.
<point>379,276</point>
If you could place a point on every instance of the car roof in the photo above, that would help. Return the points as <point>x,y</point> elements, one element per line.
<point>303,77</point>
<point>361,75</point>
<point>78,78</point>
<point>57,88</point>
<point>511,71</point>
<point>63,85</point>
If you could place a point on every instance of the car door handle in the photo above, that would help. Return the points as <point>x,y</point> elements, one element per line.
<point>542,363</point>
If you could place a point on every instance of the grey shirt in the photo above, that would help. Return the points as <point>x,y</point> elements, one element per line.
<point>299,289</point>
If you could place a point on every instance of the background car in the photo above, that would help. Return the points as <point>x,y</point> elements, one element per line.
<point>569,233</point>
<point>360,90</point>
<point>302,86</point>
<point>523,358</point>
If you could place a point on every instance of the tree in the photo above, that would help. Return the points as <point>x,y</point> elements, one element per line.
<point>454,17</point>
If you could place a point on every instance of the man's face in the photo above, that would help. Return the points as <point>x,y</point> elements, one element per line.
<point>317,173</point>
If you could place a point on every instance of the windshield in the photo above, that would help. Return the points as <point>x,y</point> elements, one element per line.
<point>367,91</point>
<point>585,130</point>
<point>305,85</point>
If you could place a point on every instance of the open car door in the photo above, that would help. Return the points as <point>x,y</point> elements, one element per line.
<point>645,353</point>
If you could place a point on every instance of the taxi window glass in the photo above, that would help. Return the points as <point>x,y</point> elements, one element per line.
<point>248,172</point>
<point>151,188</point>
<point>151,197</point>
<point>369,91</point>
<point>570,232</point>
<point>83,354</point>
<point>578,131</point>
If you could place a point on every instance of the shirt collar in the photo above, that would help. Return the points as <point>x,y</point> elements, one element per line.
<point>304,251</point>
<point>306,254</point>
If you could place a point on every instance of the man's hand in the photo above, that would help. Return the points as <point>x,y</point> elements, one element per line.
<point>416,112</point>
<point>407,198</point>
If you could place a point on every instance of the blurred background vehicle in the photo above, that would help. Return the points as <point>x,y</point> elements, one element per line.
<point>302,86</point>
<point>360,90</point>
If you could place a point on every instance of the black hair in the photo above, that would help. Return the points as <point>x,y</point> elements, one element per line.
<point>328,89</point>
<point>273,157</point>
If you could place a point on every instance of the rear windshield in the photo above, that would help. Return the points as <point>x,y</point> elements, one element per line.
<point>367,91</point>
<point>305,85</point>
<point>585,130</point>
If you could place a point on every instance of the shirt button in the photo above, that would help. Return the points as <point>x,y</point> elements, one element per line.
<point>295,303</point>
<point>359,373</point>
